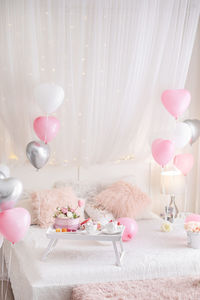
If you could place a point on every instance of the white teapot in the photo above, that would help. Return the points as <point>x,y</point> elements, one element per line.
<point>111,227</point>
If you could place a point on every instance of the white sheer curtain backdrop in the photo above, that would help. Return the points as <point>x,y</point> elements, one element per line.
<point>112,57</point>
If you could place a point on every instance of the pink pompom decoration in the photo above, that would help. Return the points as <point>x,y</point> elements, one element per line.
<point>80,203</point>
<point>192,218</point>
<point>131,228</point>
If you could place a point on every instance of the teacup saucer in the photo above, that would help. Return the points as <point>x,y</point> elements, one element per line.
<point>114,232</point>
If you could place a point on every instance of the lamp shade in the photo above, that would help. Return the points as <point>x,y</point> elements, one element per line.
<point>172,183</point>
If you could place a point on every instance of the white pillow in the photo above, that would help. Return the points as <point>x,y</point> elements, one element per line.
<point>82,189</point>
<point>148,215</point>
<point>103,216</point>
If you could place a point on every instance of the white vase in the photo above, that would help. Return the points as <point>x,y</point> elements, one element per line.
<point>193,239</point>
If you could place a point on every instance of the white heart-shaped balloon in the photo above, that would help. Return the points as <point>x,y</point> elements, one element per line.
<point>49,96</point>
<point>10,191</point>
<point>182,135</point>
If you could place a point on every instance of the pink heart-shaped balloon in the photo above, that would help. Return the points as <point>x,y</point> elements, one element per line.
<point>46,128</point>
<point>176,101</point>
<point>162,151</point>
<point>14,223</point>
<point>184,162</point>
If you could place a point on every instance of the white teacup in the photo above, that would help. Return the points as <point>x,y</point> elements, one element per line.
<point>111,227</point>
<point>91,228</point>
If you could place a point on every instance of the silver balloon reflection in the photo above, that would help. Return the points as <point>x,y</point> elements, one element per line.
<point>38,153</point>
<point>5,170</point>
<point>10,191</point>
<point>2,175</point>
<point>194,125</point>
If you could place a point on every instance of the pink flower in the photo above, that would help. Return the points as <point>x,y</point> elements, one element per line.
<point>72,210</point>
<point>64,210</point>
<point>80,203</point>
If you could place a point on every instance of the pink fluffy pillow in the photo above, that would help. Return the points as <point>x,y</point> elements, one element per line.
<point>45,203</point>
<point>123,200</point>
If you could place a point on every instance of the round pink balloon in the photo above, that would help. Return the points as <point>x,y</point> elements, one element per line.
<point>192,218</point>
<point>14,223</point>
<point>176,101</point>
<point>46,128</point>
<point>184,162</point>
<point>131,228</point>
<point>162,151</point>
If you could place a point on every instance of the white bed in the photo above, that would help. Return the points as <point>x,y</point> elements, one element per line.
<point>152,254</point>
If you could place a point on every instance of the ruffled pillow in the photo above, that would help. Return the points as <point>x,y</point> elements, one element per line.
<point>97,214</point>
<point>122,199</point>
<point>45,203</point>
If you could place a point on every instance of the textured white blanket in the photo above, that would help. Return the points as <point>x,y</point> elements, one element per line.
<point>152,254</point>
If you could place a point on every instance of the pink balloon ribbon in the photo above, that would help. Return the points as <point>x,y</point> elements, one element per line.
<point>184,162</point>
<point>14,223</point>
<point>176,101</point>
<point>46,128</point>
<point>162,151</point>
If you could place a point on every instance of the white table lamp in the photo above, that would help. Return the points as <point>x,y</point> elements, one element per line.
<point>172,183</point>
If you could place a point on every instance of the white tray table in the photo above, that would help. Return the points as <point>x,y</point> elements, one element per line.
<point>116,240</point>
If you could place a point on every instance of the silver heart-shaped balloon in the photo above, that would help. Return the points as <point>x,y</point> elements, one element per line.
<point>194,125</point>
<point>10,191</point>
<point>38,153</point>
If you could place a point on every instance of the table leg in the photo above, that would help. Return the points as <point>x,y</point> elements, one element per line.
<point>118,261</point>
<point>122,250</point>
<point>50,247</point>
<point>121,246</point>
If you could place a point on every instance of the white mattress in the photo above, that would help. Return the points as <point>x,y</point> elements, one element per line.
<point>151,254</point>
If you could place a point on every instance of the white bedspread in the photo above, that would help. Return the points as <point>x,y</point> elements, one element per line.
<point>151,254</point>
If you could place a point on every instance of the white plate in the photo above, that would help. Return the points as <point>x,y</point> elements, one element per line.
<point>115,232</point>
<point>95,233</point>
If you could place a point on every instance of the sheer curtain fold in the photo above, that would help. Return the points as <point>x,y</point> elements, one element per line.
<point>113,59</point>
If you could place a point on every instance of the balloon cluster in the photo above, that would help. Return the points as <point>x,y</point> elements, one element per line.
<point>176,102</point>
<point>14,222</point>
<point>49,97</point>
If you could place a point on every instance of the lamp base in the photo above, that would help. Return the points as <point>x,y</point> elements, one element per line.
<point>171,211</point>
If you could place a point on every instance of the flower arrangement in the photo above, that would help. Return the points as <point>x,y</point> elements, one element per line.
<point>192,226</point>
<point>68,212</point>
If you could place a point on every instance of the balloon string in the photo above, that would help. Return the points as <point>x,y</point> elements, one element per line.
<point>45,138</point>
<point>9,266</point>
<point>39,206</point>
<point>163,192</point>
<point>185,195</point>
<point>2,271</point>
